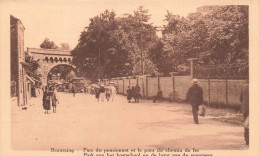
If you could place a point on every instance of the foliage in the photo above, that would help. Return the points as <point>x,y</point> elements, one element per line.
<point>111,46</point>
<point>214,34</point>
<point>71,75</point>
<point>47,44</point>
<point>62,70</point>
<point>65,46</point>
<point>32,66</point>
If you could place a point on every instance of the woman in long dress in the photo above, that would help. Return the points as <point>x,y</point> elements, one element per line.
<point>47,99</point>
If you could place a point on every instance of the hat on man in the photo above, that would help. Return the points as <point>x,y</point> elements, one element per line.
<point>195,81</point>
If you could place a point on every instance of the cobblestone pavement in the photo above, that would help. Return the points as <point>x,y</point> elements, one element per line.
<point>83,122</point>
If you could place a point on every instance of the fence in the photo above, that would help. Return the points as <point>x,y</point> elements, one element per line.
<point>215,91</point>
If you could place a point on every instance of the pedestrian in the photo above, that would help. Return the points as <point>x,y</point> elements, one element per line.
<point>102,93</point>
<point>47,100</point>
<point>195,97</point>
<point>158,95</point>
<point>133,92</point>
<point>97,92</point>
<point>113,92</point>
<point>137,92</point>
<point>44,98</point>
<point>108,93</point>
<point>54,100</point>
<point>244,99</point>
<point>85,89</point>
<point>73,90</point>
<point>129,92</point>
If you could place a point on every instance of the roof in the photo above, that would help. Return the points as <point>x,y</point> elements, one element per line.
<point>12,18</point>
<point>48,51</point>
<point>31,79</point>
<point>25,64</point>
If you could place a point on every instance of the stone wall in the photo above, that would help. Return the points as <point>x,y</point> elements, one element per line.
<point>166,86</point>
<point>215,91</point>
<point>152,86</point>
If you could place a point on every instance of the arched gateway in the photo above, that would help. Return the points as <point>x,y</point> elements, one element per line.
<point>49,58</point>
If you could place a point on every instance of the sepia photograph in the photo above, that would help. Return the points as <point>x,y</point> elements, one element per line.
<point>129,78</point>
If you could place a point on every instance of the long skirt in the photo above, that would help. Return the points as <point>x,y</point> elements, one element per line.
<point>129,97</point>
<point>47,105</point>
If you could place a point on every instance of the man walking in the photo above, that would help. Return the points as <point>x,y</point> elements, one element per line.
<point>244,99</point>
<point>195,97</point>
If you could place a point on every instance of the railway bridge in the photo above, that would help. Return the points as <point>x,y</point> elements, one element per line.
<point>48,59</point>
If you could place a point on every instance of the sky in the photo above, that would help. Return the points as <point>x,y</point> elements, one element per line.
<point>62,21</point>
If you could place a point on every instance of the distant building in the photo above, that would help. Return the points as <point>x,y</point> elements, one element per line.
<point>204,10</point>
<point>18,72</point>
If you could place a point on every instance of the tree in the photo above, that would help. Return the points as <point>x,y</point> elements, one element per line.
<point>65,46</point>
<point>215,34</point>
<point>70,76</point>
<point>63,70</point>
<point>111,46</point>
<point>142,35</point>
<point>32,66</point>
<point>47,44</point>
<point>95,50</point>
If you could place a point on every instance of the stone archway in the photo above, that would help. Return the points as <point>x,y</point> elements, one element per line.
<point>47,70</point>
<point>61,71</point>
<point>48,59</point>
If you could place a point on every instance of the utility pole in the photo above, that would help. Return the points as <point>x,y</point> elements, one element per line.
<point>99,67</point>
<point>141,44</point>
<point>141,47</point>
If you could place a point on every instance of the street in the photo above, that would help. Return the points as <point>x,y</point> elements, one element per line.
<point>81,122</point>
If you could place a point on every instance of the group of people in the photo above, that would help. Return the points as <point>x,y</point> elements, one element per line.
<point>49,99</point>
<point>134,93</point>
<point>103,92</point>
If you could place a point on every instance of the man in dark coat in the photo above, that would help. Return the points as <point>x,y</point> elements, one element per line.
<point>97,92</point>
<point>195,97</point>
<point>244,99</point>
<point>137,93</point>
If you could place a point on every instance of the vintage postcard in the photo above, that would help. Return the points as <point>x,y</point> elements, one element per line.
<point>129,78</point>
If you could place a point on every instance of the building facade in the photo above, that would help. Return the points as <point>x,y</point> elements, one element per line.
<point>18,72</point>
